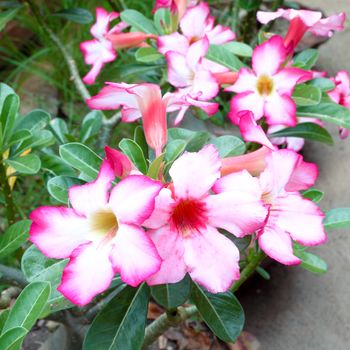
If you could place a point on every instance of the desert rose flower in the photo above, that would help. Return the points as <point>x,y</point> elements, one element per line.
<point>184,225</point>
<point>291,217</point>
<point>100,233</point>
<point>266,90</point>
<point>302,21</point>
<point>341,95</point>
<point>175,6</point>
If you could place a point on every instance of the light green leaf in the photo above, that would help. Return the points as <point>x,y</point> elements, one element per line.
<point>306,59</point>
<point>311,262</point>
<point>34,120</point>
<point>14,237</point>
<point>6,16</point>
<point>19,136</point>
<point>58,187</point>
<point>8,117</point>
<point>59,128</point>
<point>91,126</point>
<point>75,14</point>
<point>306,95</point>
<point>29,164</point>
<point>239,48</point>
<point>148,54</point>
<point>313,194</point>
<point>155,167</point>
<point>55,165</point>
<point>138,21</point>
<point>337,218</point>
<point>174,149</point>
<point>13,338</point>
<point>322,83</point>
<point>134,152</point>
<point>225,57</point>
<point>229,145</point>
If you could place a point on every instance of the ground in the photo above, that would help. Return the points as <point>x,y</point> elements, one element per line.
<point>296,309</point>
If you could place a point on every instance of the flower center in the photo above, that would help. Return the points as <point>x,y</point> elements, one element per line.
<point>189,216</point>
<point>264,85</point>
<point>104,222</point>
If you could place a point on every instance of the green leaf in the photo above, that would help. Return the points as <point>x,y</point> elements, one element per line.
<point>229,145</point>
<point>8,116</point>
<point>59,128</point>
<point>195,139</point>
<point>29,164</point>
<point>91,125</point>
<point>313,194</point>
<point>121,323</point>
<point>225,57</point>
<point>309,131</point>
<point>134,152</point>
<point>337,218</point>
<point>55,165</point>
<point>322,83</point>
<point>38,268</point>
<point>306,95</point>
<point>14,237</point>
<point>7,16</point>
<point>147,55</point>
<point>19,136</point>
<point>3,317</point>
<point>174,149</point>
<point>75,14</point>
<point>327,111</point>
<point>155,167</point>
<point>34,120</point>
<point>306,59</point>
<point>82,158</point>
<point>239,49</point>
<point>5,90</point>
<point>241,243</point>
<point>222,312</point>
<point>263,273</point>
<point>172,295</point>
<point>140,139</point>
<point>249,5</point>
<point>311,262</point>
<point>165,21</point>
<point>13,338</point>
<point>28,306</point>
<point>138,21</point>
<point>58,187</point>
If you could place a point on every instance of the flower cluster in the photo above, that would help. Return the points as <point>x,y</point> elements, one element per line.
<point>186,221</point>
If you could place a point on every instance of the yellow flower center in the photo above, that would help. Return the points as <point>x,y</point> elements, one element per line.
<point>104,222</point>
<point>265,85</point>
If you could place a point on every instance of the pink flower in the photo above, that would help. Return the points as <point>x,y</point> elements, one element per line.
<point>266,90</point>
<point>291,217</point>
<point>302,21</point>
<point>120,163</point>
<point>175,6</point>
<point>100,233</point>
<point>184,225</point>
<point>341,95</point>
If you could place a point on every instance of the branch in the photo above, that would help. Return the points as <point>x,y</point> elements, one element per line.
<point>12,276</point>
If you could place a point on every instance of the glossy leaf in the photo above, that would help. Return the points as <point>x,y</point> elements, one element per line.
<point>29,164</point>
<point>134,152</point>
<point>306,95</point>
<point>140,139</point>
<point>138,21</point>
<point>313,194</point>
<point>147,54</point>
<point>58,187</point>
<point>306,59</point>
<point>82,158</point>
<point>3,317</point>
<point>222,312</point>
<point>34,120</point>
<point>172,295</point>
<point>337,218</point>
<point>309,131</point>
<point>312,262</point>
<point>121,323</point>
<point>229,145</point>
<point>91,125</point>
<point>14,237</point>
<point>55,165</point>
<point>19,136</point>
<point>174,149</point>
<point>28,306</point>
<point>13,338</point>
<point>225,57</point>
<point>8,116</point>
<point>75,14</point>
<point>59,128</point>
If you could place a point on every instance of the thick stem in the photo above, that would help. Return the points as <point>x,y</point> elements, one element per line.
<point>12,276</point>
<point>6,190</point>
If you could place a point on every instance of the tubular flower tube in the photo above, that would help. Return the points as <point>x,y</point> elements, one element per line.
<point>266,90</point>
<point>341,95</point>
<point>184,224</point>
<point>302,21</point>
<point>291,217</point>
<point>100,233</point>
<point>175,6</point>
<point>120,163</point>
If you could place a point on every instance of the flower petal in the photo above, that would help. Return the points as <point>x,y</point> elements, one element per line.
<point>132,199</point>
<point>171,249</point>
<point>92,196</point>
<point>57,231</point>
<point>212,260</point>
<point>179,74</point>
<point>193,22</point>
<point>204,85</point>
<point>119,162</point>
<point>134,255</point>
<point>269,56</point>
<point>326,26</point>
<point>301,218</point>
<point>173,42</point>
<point>88,273</point>
<point>280,109</point>
<point>287,78</point>
<point>246,101</point>
<point>194,174</point>
<point>245,82</point>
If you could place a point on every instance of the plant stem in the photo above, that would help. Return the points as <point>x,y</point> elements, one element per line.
<point>171,319</point>
<point>12,276</point>
<point>235,14</point>
<point>6,189</point>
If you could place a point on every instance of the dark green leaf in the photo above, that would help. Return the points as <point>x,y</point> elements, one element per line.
<point>138,21</point>
<point>134,152</point>
<point>8,117</point>
<point>139,138</point>
<point>309,131</point>
<point>312,262</point>
<point>19,136</point>
<point>263,273</point>
<point>29,164</point>
<point>155,167</point>
<point>229,145</point>
<point>58,187</point>
<point>91,125</point>
<point>14,237</point>
<point>313,194</point>
<point>5,90</point>
<point>121,323</point>
<point>7,16</point>
<point>39,139</point>
<point>222,312</point>
<point>34,120</point>
<point>249,5</point>
<point>81,158</point>
<point>306,95</point>
<point>306,59</point>
<point>147,54</point>
<point>241,243</point>
<point>174,149</point>
<point>13,338</point>
<point>59,128</point>
<point>195,139</point>
<point>28,306</point>
<point>172,295</point>
<point>337,218</point>
<point>225,57</point>
<point>3,317</point>
<point>77,15</point>
<point>55,165</point>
